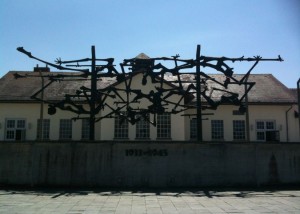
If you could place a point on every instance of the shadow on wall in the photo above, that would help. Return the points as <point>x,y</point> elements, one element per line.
<point>173,192</point>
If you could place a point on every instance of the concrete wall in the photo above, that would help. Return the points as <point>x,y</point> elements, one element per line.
<point>177,164</point>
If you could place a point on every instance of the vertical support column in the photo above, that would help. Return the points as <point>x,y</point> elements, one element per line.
<point>93,94</point>
<point>199,105</point>
<point>247,114</point>
<point>41,128</point>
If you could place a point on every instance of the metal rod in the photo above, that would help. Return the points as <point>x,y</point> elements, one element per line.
<point>199,110</point>
<point>93,94</point>
<point>247,111</point>
<point>84,65</point>
<point>41,128</point>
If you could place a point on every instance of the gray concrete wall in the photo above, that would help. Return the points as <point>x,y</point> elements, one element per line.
<point>148,164</point>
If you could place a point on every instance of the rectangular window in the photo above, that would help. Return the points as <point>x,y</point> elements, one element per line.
<point>164,126</point>
<point>260,125</point>
<point>239,130</point>
<point>10,123</point>
<point>142,128</point>
<point>260,135</point>
<point>121,126</point>
<point>270,125</point>
<point>20,124</point>
<point>85,129</point>
<point>43,129</point>
<point>265,129</point>
<point>217,130</point>
<point>193,128</point>
<point>15,129</point>
<point>65,129</point>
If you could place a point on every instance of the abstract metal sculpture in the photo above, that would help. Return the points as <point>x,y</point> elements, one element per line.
<point>96,98</point>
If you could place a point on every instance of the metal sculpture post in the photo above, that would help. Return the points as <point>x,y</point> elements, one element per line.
<point>93,94</point>
<point>199,107</point>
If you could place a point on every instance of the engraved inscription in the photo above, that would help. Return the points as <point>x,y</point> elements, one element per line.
<point>148,152</point>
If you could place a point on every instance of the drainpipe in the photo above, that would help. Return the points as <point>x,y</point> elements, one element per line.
<point>287,124</point>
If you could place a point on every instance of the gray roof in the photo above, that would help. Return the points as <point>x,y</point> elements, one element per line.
<point>269,89</point>
<point>294,91</point>
<point>266,90</point>
<point>21,89</point>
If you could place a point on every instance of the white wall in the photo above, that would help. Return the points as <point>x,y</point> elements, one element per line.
<point>277,113</point>
<point>31,113</point>
<point>256,112</point>
<point>180,125</point>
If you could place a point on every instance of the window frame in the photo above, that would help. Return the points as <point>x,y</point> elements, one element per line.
<point>217,130</point>
<point>239,132</point>
<point>193,129</point>
<point>164,126</point>
<point>65,131</point>
<point>263,129</point>
<point>85,129</point>
<point>46,129</point>
<point>142,128</point>
<point>121,130</point>
<point>15,129</point>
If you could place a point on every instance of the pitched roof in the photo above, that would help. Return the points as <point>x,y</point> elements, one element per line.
<point>266,90</point>
<point>269,89</point>
<point>21,89</point>
<point>294,91</point>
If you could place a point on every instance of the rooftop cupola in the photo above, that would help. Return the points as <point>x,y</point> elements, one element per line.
<point>142,62</point>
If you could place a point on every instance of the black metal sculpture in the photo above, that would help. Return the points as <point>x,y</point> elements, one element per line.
<point>96,98</point>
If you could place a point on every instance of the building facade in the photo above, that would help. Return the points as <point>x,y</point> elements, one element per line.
<point>272,114</point>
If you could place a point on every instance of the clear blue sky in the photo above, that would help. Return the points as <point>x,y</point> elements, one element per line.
<point>123,29</point>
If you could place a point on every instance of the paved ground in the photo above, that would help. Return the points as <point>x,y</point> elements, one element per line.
<point>149,201</point>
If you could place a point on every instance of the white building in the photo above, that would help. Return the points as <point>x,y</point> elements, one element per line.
<point>272,111</point>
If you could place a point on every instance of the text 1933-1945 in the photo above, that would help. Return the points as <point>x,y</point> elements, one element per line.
<point>148,152</point>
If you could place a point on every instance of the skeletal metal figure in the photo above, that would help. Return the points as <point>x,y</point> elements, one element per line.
<point>96,99</point>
